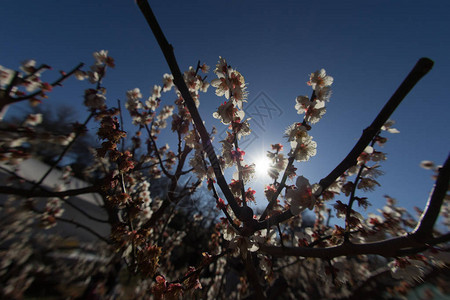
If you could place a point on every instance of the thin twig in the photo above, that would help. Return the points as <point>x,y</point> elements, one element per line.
<point>55,83</point>
<point>63,153</point>
<point>87,228</point>
<point>155,148</point>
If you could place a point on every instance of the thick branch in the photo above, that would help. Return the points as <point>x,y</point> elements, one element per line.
<point>424,228</point>
<point>387,248</point>
<point>252,275</point>
<point>417,241</point>
<point>167,50</point>
<point>422,67</point>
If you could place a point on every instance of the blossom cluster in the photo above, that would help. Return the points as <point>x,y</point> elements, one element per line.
<point>152,225</point>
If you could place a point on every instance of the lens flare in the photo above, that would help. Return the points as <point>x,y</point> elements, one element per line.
<point>262,165</point>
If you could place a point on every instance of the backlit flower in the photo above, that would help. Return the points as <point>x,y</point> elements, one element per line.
<point>319,79</point>
<point>387,127</point>
<point>295,131</point>
<point>302,104</point>
<point>5,76</point>
<point>302,196</point>
<point>167,82</point>
<point>304,149</point>
<point>315,111</point>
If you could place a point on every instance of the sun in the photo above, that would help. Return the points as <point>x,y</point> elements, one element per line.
<point>262,165</point>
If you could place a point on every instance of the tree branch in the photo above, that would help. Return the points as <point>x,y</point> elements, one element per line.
<point>422,67</point>
<point>47,193</point>
<point>414,242</point>
<point>387,248</point>
<point>55,83</point>
<point>84,227</point>
<point>167,50</point>
<point>424,228</point>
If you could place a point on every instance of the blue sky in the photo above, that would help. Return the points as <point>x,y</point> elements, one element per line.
<point>368,48</point>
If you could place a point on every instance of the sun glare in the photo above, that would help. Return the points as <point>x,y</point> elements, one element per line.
<point>262,165</point>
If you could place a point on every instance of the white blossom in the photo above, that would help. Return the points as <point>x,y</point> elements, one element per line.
<point>302,196</point>
<point>304,149</point>
<point>320,79</point>
<point>6,76</point>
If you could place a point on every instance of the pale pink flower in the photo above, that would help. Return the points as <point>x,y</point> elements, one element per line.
<point>156,92</point>
<point>247,173</point>
<point>367,184</point>
<point>378,156</point>
<point>295,131</point>
<point>302,196</point>
<point>205,86</point>
<point>28,66</point>
<point>409,270</point>
<point>227,112</point>
<point>319,79</point>
<point>32,83</point>
<point>387,127</point>
<point>323,93</point>
<point>167,82</point>
<point>198,165</point>
<point>244,129</point>
<point>93,77</point>
<point>427,165</point>
<point>152,103</point>
<point>304,149</point>
<point>134,94</point>
<point>302,239</point>
<point>222,86</point>
<point>192,80</point>
<point>221,66</point>
<point>133,97</point>
<point>92,99</point>
<point>100,56</point>
<point>80,75</point>
<point>33,119</point>
<point>227,147</point>
<point>205,68</point>
<point>372,172</point>
<point>166,112</point>
<point>243,244</point>
<point>302,104</point>
<point>229,82</point>
<point>6,76</point>
<point>191,139</point>
<point>315,111</point>
<point>237,86</point>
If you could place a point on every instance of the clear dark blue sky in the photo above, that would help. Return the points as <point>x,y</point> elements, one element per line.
<point>368,47</point>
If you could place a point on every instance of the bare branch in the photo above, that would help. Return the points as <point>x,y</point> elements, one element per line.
<point>47,193</point>
<point>63,153</point>
<point>424,228</point>
<point>84,227</point>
